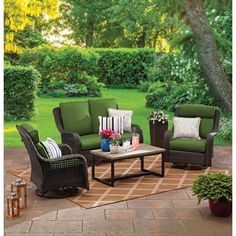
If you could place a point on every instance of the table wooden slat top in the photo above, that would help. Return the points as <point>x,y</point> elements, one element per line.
<point>143,150</point>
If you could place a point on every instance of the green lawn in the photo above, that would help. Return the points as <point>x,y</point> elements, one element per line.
<point>44,120</point>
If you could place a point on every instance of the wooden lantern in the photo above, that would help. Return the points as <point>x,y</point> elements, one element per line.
<point>19,187</point>
<point>13,208</point>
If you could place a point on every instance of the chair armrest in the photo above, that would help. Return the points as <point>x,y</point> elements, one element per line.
<point>72,139</point>
<point>167,137</point>
<point>210,137</point>
<point>138,130</point>
<point>67,161</point>
<point>67,157</point>
<point>65,149</point>
<point>210,144</point>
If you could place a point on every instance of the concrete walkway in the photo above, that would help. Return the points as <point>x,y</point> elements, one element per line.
<point>172,213</point>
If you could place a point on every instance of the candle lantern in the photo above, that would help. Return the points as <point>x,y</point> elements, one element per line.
<point>19,187</point>
<point>13,208</point>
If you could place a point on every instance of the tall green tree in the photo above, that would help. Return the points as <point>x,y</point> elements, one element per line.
<point>209,60</point>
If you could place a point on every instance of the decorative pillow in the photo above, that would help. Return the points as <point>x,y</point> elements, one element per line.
<point>186,127</point>
<point>127,117</point>
<point>42,150</point>
<point>52,148</point>
<point>114,123</point>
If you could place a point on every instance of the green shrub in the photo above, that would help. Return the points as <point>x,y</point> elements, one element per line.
<point>144,85</point>
<point>20,85</point>
<point>124,68</point>
<point>183,81</point>
<point>67,71</point>
<point>225,129</point>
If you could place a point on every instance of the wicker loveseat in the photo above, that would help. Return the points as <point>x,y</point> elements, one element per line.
<point>69,170</point>
<point>79,125</point>
<point>189,151</point>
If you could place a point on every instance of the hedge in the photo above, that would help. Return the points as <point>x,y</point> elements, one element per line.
<point>114,67</point>
<point>66,71</point>
<point>124,67</point>
<point>20,85</point>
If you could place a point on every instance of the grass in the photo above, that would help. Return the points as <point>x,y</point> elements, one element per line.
<point>129,99</point>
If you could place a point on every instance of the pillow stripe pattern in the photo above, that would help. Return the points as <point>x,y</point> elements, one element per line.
<point>113,123</point>
<point>52,148</point>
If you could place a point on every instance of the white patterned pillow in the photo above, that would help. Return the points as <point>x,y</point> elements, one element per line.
<point>186,127</point>
<point>52,148</point>
<point>113,123</point>
<point>125,113</point>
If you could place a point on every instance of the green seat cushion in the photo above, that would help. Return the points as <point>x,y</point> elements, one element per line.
<point>195,110</point>
<point>93,141</point>
<point>41,150</point>
<point>76,117</point>
<point>188,145</point>
<point>33,133</point>
<point>99,107</point>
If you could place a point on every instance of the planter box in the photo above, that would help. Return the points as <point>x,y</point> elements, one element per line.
<point>157,131</point>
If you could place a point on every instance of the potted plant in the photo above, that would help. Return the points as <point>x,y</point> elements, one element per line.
<point>217,188</point>
<point>158,124</point>
<point>115,142</point>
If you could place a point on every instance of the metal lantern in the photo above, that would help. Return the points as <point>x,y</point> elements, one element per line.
<point>13,208</point>
<point>19,187</point>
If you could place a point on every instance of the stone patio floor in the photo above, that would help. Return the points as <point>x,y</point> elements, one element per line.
<point>173,213</point>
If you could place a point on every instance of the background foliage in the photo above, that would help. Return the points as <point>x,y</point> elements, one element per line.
<point>19,92</point>
<point>124,68</point>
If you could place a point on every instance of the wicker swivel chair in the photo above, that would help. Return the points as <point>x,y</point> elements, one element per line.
<point>189,151</point>
<point>69,170</point>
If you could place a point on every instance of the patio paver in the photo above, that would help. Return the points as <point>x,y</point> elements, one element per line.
<point>172,213</point>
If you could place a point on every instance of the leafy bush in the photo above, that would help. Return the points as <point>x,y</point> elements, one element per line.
<point>114,67</point>
<point>214,186</point>
<point>144,85</point>
<point>124,68</point>
<point>67,71</point>
<point>20,85</point>
<point>225,130</point>
<point>177,80</point>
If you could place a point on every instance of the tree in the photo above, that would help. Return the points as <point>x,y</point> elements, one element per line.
<point>207,54</point>
<point>20,14</point>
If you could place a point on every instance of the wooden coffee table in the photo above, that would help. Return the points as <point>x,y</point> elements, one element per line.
<point>143,152</point>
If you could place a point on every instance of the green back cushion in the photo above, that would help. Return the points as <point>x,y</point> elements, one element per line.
<point>76,117</point>
<point>99,107</point>
<point>194,110</point>
<point>205,112</point>
<point>33,133</point>
<point>41,150</point>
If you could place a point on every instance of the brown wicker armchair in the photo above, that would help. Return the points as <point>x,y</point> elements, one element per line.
<point>69,170</point>
<point>194,152</point>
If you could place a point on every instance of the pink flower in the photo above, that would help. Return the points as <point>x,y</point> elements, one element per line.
<point>115,135</point>
<point>106,133</point>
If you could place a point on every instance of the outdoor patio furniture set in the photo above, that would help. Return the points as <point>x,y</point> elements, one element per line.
<point>79,127</point>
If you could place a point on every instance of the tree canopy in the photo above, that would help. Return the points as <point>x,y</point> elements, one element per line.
<point>22,13</point>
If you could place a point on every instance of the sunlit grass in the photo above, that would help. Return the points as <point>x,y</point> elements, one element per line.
<point>43,120</point>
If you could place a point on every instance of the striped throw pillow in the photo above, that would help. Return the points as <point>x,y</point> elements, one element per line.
<point>52,148</point>
<point>114,123</point>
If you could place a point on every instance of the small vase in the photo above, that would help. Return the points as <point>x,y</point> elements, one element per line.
<point>105,145</point>
<point>115,148</point>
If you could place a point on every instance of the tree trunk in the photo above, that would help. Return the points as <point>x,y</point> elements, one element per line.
<point>207,54</point>
<point>142,39</point>
<point>89,39</point>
